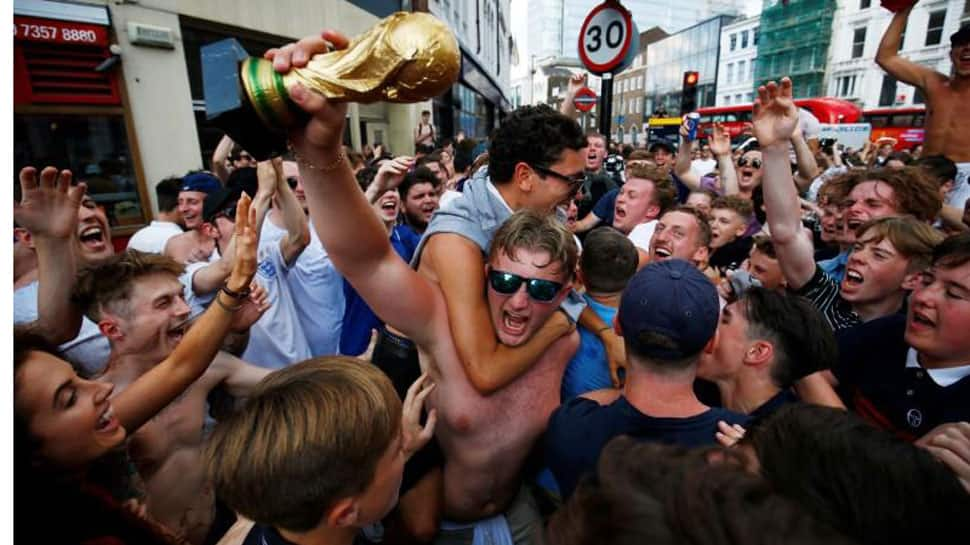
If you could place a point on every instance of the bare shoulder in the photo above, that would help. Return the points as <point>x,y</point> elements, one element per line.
<point>604,396</point>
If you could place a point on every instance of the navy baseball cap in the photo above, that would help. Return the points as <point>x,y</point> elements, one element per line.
<point>672,298</point>
<point>220,201</point>
<point>961,36</point>
<point>201,181</point>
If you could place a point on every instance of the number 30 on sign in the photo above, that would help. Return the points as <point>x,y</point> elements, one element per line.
<point>608,39</point>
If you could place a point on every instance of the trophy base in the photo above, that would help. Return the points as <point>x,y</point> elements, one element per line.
<point>228,104</point>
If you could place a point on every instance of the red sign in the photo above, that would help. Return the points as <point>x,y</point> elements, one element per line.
<point>606,37</point>
<point>30,29</point>
<point>896,6</point>
<point>585,99</point>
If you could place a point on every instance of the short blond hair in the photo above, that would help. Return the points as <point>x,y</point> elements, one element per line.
<point>529,230</point>
<point>108,286</point>
<point>310,435</point>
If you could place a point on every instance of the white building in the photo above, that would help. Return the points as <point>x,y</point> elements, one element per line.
<point>735,71</point>
<point>857,31</point>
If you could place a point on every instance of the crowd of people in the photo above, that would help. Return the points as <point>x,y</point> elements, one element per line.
<point>721,342</point>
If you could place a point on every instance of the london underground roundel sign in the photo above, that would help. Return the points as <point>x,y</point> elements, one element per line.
<point>606,37</point>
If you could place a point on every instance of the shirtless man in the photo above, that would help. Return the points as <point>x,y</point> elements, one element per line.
<point>947,98</point>
<point>484,444</point>
<point>136,300</point>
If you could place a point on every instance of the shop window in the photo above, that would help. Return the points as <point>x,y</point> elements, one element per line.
<point>94,147</point>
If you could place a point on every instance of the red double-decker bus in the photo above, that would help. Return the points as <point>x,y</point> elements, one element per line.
<point>734,117</point>
<point>903,124</point>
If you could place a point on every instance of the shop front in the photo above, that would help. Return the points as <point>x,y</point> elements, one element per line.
<point>69,106</point>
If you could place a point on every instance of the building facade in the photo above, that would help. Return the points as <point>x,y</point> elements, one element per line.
<point>695,48</point>
<point>629,94</point>
<point>736,66</point>
<point>860,24</point>
<point>480,98</point>
<point>113,90</point>
<point>794,42</point>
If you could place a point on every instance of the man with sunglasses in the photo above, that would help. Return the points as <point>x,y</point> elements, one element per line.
<point>492,399</point>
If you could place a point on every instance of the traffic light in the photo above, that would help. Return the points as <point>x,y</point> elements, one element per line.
<point>688,96</point>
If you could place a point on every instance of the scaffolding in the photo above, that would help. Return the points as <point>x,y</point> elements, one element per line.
<point>794,41</point>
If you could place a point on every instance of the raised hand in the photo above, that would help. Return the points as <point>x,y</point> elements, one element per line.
<point>576,82</point>
<point>268,176</point>
<point>251,309</point>
<point>324,132</point>
<point>48,206</point>
<point>414,434</point>
<point>728,435</point>
<point>775,114</point>
<point>247,240</point>
<point>720,140</point>
<point>392,173</point>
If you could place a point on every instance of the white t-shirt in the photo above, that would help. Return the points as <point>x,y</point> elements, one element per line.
<point>277,339</point>
<point>153,237</point>
<point>703,166</point>
<point>197,302</point>
<point>318,292</point>
<point>641,234</point>
<point>89,350</point>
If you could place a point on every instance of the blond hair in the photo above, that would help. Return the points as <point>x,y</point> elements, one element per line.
<point>529,230</point>
<point>310,435</point>
<point>108,286</point>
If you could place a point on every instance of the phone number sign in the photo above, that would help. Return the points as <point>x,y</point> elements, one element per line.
<point>31,29</point>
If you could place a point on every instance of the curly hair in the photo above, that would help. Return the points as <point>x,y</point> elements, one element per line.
<point>913,191</point>
<point>536,135</point>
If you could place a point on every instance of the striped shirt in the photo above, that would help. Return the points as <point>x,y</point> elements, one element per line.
<point>823,292</point>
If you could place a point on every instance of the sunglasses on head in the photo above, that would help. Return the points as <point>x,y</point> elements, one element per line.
<point>755,163</point>
<point>574,182</point>
<point>539,289</point>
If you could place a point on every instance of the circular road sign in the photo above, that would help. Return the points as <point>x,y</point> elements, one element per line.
<point>606,37</point>
<point>585,99</point>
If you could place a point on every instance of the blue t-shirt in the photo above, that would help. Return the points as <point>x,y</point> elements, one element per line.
<point>580,428</point>
<point>589,369</point>
<point>605,206</point>
<point>835,267</point>
<point>359,319</point>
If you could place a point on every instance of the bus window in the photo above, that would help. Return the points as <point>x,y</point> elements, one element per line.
<point>878,121</point>
<point>902,120</point>
<point>745,115</point>
<point>918,120</point>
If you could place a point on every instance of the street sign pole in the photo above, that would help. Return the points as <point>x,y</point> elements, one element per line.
<point>606,105</point>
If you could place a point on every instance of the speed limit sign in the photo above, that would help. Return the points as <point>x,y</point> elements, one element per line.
<point>607,38</point>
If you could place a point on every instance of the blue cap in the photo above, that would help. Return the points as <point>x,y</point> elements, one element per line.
<point>201,181</point>
<point>673,298</point>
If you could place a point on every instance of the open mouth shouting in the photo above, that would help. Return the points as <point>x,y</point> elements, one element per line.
<point>514,324</point>
<point>662,252</point>
<point>746,176</point>
<point>107,423</point>
<point>176,333</point>
<point>388,206</point>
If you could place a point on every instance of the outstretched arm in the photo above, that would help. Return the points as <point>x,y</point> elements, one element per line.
<point>897,66</point>
<point>721,148</point>
<point>576,82</point>
<point>167,380</point>
<point>775,118</point>
<point>219,157</point>
<point>807,167</point>
<point>682,167</point>
<point>353,235</point>
<point>48,209</point>
<point>294,219</point>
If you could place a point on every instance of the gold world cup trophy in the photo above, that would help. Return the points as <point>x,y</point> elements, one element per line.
<point>405,58</point>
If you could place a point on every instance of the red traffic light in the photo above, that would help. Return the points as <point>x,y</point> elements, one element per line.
<point>690,78</point>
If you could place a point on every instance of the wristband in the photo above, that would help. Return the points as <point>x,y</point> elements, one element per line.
<point>242,294</point>
<point>226,307</point>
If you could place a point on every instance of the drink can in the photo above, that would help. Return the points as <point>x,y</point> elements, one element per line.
<point>693,119</point>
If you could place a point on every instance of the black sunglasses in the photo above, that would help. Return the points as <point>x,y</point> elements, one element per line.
<point>574,183</point>
<point>539,289</point>
<point>228,213</point>
<point>755,163</point>
<point>292,181</point>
